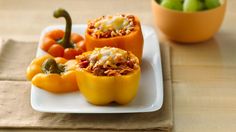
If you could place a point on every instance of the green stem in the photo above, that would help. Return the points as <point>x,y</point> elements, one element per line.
<point>51,66</point>
<point>65,41</point>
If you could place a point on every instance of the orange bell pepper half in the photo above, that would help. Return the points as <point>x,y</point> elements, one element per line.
<point>131,42</point>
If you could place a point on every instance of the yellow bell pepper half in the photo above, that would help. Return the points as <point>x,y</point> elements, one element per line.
<point>102,90</point>
<point>64,81</point>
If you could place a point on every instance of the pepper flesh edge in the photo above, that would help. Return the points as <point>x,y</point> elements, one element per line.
<point>56,83</point>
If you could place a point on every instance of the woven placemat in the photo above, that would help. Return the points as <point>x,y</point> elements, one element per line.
<point>14,58</point>
<point>16,111</point>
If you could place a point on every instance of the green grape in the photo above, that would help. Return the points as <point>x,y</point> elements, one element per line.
<point>191,5</point>
<point>172,4</point>
<point>158,1</point>
<point>202,5</point>
<point>212,3</point>
<point>178,0</point>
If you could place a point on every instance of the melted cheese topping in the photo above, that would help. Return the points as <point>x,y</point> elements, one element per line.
<point>112,22</point>
<point>107,56</point>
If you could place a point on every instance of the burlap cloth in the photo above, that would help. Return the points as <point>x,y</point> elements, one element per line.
<point>16,112</point>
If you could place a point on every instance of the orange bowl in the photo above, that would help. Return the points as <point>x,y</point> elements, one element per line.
<point>188,27</point>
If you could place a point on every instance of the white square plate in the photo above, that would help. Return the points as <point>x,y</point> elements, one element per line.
<point>150,93</point>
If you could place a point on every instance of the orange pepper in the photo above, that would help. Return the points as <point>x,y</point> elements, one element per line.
<point>63,44</point>
<point>131,42</point>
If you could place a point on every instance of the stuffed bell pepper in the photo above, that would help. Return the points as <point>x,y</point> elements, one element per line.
<point>55,75</point>
<point>63,44</point>
<point>121,31</point>
<point>108,75</point>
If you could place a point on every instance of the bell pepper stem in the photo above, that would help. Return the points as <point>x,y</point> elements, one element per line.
<point>50,66</point>
<point>65,41</point>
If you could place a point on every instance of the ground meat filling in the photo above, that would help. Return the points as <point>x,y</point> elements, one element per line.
<point>108,62</point>
<point>111,26</point>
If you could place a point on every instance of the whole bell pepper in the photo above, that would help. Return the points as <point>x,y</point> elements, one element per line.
<point>131,42</point>
<point>55,75</point>
<point>102,90</point>
<point>63,44</point>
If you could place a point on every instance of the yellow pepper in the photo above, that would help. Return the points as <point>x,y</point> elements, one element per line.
<point>103,89</point>
<point>54,75</point>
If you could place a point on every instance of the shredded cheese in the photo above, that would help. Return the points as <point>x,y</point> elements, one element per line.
<point>108,56</point>
<point>112,23</point>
